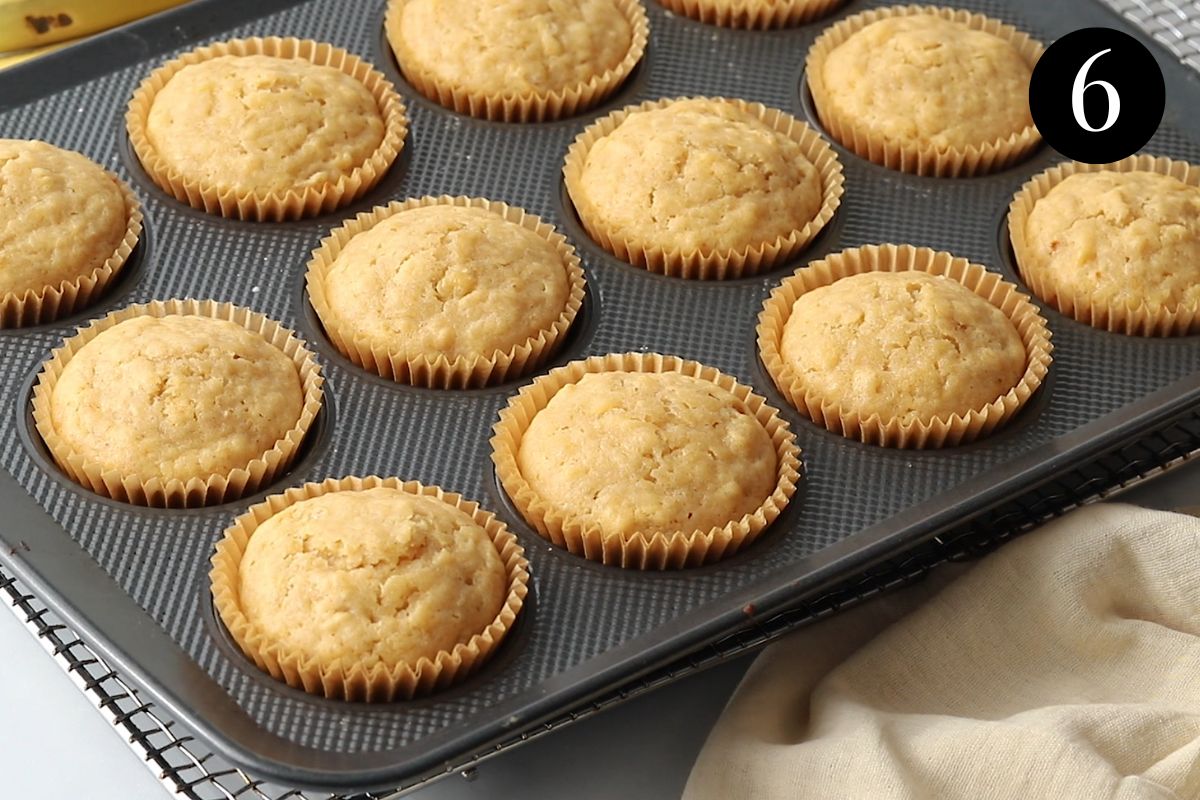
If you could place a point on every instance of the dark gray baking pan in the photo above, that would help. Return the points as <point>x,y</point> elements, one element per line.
<point>133,581</point>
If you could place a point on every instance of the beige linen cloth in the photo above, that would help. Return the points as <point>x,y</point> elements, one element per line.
<point>1065,665</point>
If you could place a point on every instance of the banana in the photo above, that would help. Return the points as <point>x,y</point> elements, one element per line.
<point>33,23</point>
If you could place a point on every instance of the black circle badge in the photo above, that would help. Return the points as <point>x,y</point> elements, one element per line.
<point>1097,95</point>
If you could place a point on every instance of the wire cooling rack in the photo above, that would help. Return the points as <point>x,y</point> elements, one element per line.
<point>189,770</point>
<point>1175,24</point>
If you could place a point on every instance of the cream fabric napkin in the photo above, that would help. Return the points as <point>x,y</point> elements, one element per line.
<point>1065,665</point>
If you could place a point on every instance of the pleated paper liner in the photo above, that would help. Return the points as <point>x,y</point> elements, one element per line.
<point>950,162</point>
<point>639,551</point>
<point>937,431</point>
<point>348,679</point>
<point>48,303</point>
<point>270,205</point>
<point>203,489</point>
<point>760,15</point>
<point>436,371</point>
<point>1135,319</point>
<point>709,264</point>
<point>521,106</point>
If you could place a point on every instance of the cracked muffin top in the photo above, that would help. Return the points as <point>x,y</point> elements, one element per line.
<point>258,123</point>
<point>61,216</point>
<point>1117,239</point>
<point>697,175</point>
<point>922,80</point>
<point>507,47</point>
<point>176,397</point>
<point>640,452</point>
<point>902,345</point>
<point>446,280</point>
<point>377,576</point>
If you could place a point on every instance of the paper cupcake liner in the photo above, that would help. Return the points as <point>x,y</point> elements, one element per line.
<point>439,372</point>
<point>200,490</point>
<point>350,680</point>
<point>754,16</point>
<point>952,162</point>
<point>273,205</point>
<point>1134,319</point>
<point>527,106</point>
<point>39,306</point>
<point>709,264</point>
<point>939,431</point>
<point>639,551</point>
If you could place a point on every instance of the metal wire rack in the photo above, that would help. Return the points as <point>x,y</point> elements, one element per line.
<point>1174,24</point>
<point>189,770</point>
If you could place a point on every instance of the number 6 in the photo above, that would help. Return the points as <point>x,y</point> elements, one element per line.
<point>1080,86</point>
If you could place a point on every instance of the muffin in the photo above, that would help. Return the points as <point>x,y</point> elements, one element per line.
<point>645,461</point>
<point>177,404</point>
<point>702,188</point>
<point>266,129</point>
<point>518,60</point>
<point>67,228</point>
<point>446,292</point>
<point>902,346</point>
<point>1114,246</point>
<point>906,345</point>
<point>368,589</point>
<point>759,14</point>
<point>927,90</point>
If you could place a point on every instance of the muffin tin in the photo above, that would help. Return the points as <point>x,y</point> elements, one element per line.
<point>134,580</point>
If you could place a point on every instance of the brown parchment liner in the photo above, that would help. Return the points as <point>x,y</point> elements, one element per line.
<point>937,431</point>
<point>521,106</point>
<point>346,679</point>
<point>271,205</point>
<point>639,551</point>
<point>48,303</point>
<point>1134,319</point>
<point>201,490</point>
<point>439,372</point>
<point>950,162</point>
<point>709,264</point>
<point>753,15</point>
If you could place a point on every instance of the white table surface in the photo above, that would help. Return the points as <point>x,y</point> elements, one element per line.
<point>54,745</point>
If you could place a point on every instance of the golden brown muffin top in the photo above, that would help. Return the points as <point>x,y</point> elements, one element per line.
<point>446,280</point>
<point>259,123</point>
<point>648,452</point>
<point>697,174</point>
<point>176,397</point>
<point>903,345</point>
<point>61,216</point>
<point>511,46</point>
<point>1118,238</point>
<point>372,576</point>
<point>927,81</point>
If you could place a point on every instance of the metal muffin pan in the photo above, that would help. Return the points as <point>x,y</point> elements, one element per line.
<point>134,582</point>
